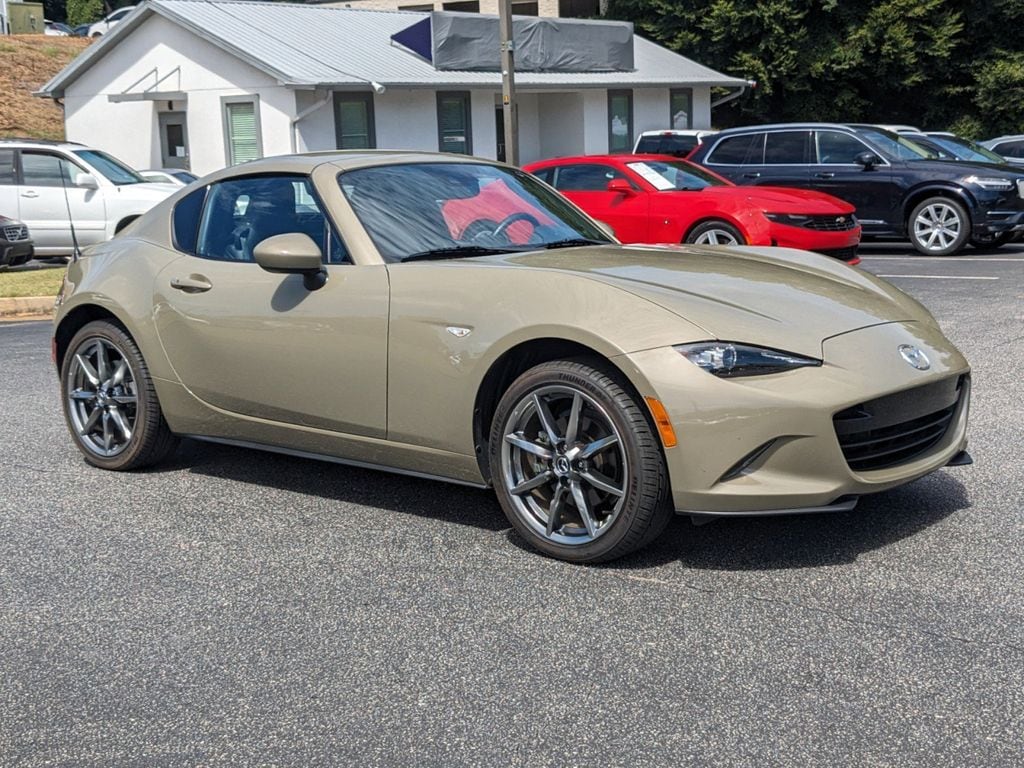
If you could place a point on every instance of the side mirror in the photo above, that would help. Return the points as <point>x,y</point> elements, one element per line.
<point>621,187</point>
<point>606,228</point>
<point>293,254</point>
<point>868,160</point>
<point>86,181</point>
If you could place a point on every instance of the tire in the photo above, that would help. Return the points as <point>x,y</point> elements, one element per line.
<point>991,242</point>
<point>613,464</point>
<point>715,233</point>
<point>939,226</point>
<point>109,402</point>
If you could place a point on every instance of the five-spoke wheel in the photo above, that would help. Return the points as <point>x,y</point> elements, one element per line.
<point>715,233</point>
<point>109,401</point>
<point>576,464</point>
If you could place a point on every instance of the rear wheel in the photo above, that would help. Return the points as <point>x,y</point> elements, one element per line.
<point>110,404</point>
<point>576,465</point>
<point>939,226</point>
<point>715,233</point>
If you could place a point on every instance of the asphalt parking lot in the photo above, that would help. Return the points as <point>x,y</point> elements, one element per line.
<point>239,608</point>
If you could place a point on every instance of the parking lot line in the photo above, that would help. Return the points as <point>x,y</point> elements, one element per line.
<point>943,277</point>
<point>951,260</point>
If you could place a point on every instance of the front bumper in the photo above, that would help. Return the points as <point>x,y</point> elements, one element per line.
<point>14,253</point>
<point>840,242</point>
<point>996,222</point>
<point>721,422</point>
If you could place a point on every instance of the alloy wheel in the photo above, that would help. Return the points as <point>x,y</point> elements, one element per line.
<point>716,237</point>
<point>937,226</point>
<point>564,465</point>
<point>102,398</point>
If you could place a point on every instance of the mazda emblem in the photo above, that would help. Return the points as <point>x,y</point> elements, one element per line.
<point>915,357</point>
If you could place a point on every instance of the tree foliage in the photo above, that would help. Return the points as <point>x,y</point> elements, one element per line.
<point>934,63</point>
<point>84,11</point>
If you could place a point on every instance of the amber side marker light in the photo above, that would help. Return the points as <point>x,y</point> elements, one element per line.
<point>668,435</point>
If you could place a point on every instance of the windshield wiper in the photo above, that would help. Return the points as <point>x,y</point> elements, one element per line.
<point>458,251</point>
<point>573,242</point>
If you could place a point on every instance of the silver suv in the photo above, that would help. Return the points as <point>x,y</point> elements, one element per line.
<point>42,181</point>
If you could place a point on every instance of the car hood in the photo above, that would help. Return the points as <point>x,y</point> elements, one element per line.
<point>774,297</point>
<point>148,190</point>
<point>777,199</point>
<point>961,168</point>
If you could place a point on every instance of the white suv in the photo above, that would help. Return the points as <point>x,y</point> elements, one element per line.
<point>103,26</point>
<point>41,181</point>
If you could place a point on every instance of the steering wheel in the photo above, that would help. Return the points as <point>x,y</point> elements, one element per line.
<point>511,219</point>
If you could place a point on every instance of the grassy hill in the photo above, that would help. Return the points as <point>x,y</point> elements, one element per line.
<point>26,63</point>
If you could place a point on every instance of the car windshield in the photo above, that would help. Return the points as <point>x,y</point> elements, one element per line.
<point>895,146</point>
<point>447,210</point>
<point>967,150</point>
<point>111,168</point>
<point>668,176</point>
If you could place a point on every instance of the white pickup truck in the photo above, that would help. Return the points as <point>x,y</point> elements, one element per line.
<point>40,182</point>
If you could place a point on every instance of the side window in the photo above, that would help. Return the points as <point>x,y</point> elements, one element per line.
<point>738,150</point>
<point>1010,149</point>
<point>590,177</point>
<point>787,148</point>
<point>44,169</point>
<point>185,220</point>
<point>836,148</point>
<point>7,175</point>
<point>547,175</point>
<point>241,213</point>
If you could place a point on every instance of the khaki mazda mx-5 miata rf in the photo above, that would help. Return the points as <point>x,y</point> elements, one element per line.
<point>453,318</point>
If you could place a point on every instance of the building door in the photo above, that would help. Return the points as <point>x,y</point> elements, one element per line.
<point>174,140</point>
<point>499,116</point>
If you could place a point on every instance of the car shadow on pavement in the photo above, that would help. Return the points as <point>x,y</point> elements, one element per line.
<point>750,543</point>
<point>807,541</point>
<point>342,483</point>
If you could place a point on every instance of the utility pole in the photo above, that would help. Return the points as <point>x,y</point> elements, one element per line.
<point>508,83</point>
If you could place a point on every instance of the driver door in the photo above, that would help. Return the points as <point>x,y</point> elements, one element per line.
<point>586,184</point>
<point>261,345</point>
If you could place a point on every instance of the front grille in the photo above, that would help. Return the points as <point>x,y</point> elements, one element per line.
<point>15,232</point>
<point>898,428</point>
<point>831,223</point>
<point>843,254</point>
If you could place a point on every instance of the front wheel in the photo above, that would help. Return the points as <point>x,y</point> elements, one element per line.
<point>576,464</point>
<point>715,233</point>
<point>939,226</point>
<point>110,404</point>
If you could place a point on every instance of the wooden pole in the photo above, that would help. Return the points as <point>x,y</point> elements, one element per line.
<point>508,83</point>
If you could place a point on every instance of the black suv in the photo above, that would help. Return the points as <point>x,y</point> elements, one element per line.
<point>900,189</point>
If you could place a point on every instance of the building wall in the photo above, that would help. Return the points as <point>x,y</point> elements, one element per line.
<point>561,124</point>
<point>129,130</point>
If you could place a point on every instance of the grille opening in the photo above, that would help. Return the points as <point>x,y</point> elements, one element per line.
<point>831,223</point>
<point>898,428</point>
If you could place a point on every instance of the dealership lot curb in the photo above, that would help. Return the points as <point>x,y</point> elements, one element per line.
<point>27,306</point>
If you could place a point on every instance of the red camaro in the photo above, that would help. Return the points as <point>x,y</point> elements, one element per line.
<point>661,199</point>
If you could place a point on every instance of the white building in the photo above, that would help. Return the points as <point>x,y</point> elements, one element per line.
<point>201,85</point>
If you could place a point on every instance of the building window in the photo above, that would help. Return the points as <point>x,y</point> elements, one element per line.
<point>242,129</point>
<point>680,109</point>
<point>527,8</point>
<point>620,121</point>
<point>353,121</point>
<point>454,129</point>
<point>579,9</point>
<point>463,6</point>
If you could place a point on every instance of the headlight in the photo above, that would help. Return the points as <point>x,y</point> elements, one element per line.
<point>793,219</point>
<point>1002,185</point>
<point>725,359</point>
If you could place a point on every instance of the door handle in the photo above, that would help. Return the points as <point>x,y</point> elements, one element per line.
<point>30,194</point>
<point>191,284</point>
<point>824,175</point>
<point>754,175</point>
